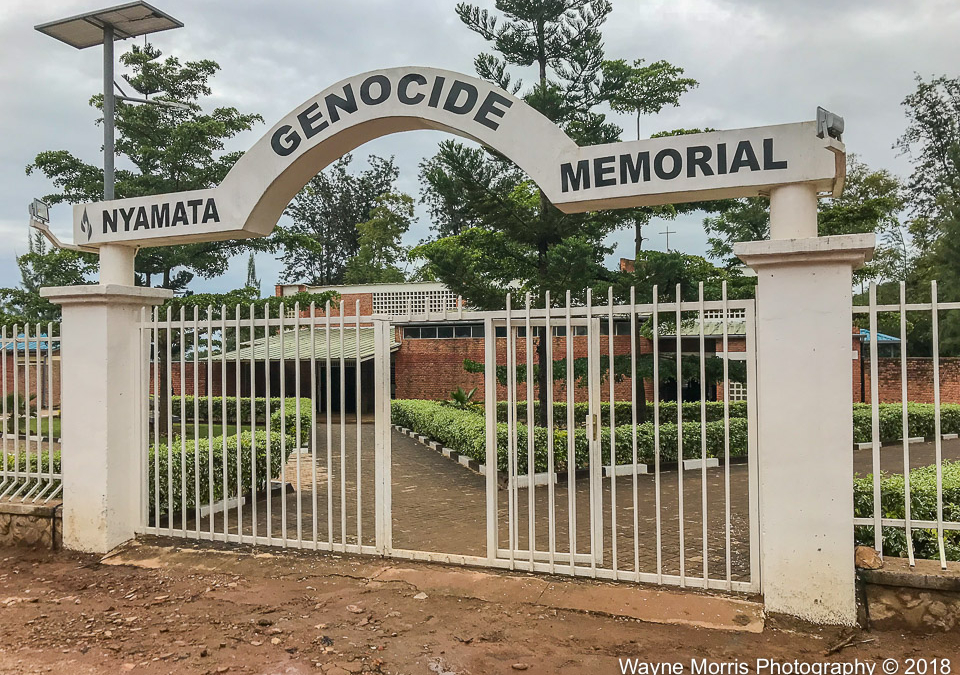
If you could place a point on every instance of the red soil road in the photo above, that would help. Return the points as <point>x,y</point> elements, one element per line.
<point>289,612</point>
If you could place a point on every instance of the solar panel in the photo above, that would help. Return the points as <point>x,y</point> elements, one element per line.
<point>128,20</point>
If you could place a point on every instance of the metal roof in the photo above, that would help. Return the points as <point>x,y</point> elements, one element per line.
<point>270,349</point>
<point>31,345</point>
<point>881,338</point>
<point>712,328</point>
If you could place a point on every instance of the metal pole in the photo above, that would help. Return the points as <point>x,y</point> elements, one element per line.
<point>116,261</point>
<point>108,113</point>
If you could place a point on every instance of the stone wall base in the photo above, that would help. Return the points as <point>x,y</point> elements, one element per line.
<point>924,599</point>
<point>31,525</point>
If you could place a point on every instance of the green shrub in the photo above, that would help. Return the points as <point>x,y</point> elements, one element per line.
<point>31,462</point>
<point>198,454</point>
<point>623,411</point>
<point>923,506</point>
<point>215,405</point>
<point>465,432</point>
<point>921,420</point>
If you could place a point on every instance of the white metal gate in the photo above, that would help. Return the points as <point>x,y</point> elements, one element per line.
<point>285,458</point>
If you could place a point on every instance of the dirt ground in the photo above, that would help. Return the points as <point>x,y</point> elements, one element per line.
<point>290,613</point>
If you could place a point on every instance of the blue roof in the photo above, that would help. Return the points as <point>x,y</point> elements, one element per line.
<point>32,344</point>
<point>881,338</point>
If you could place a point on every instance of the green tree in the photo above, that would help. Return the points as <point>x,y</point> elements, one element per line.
<point>505,234</point>
<point>42,266</point>
<point>644,89</point>
<point>253,281</point>
<point>323,235</point>
<point>169,149</point>
<point>933,128</point>
<point>871,202</point>
<point>380,250</point>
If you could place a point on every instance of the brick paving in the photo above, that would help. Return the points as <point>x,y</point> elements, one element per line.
<point>439,506</point>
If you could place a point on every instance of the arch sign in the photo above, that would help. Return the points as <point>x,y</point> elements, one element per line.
<point>253,195</point>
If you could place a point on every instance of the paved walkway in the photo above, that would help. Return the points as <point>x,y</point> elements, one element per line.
<point>439,506</point>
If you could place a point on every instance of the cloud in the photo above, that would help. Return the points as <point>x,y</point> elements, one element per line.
<point>758,62</point>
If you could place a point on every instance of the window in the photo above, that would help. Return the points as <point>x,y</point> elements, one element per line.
<point>738,391</point>
<point>716,314</point>
<point>400,303</point>
<point>442,332</point>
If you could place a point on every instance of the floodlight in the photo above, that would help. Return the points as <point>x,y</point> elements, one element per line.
<point>829,124</point>
<point>127,21</point>
<point>40,210</point>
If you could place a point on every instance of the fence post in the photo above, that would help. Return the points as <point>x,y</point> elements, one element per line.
<point>101,399</point>
<point>805,425</point>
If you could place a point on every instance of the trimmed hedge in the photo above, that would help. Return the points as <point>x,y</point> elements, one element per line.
<point>464,431</point>
<point>198,452</point>
<point>923,506</point>
<point>623,411</point>
<point>920,421</point>
<point>289,410</point>
<point>244,402</point>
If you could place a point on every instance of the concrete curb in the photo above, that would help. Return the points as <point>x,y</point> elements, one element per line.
<point>463,460</point>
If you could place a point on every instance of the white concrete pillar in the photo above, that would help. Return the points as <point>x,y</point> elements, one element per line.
<point>117,264</point>
<point>793,211</point>
<point>805,425</point>
<point>101,411</point>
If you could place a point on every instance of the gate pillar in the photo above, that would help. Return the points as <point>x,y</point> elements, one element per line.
<point>101,416</point>
<point>805,422</point>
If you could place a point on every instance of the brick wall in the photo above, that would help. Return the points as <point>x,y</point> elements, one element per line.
<point>431,369</point>
<point>30,372</point>
<point>919,380</point>
<point>185,384</point>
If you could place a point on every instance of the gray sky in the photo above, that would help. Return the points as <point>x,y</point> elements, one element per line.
<point>758,62</point>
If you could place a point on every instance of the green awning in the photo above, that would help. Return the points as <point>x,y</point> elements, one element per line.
<point>315,345</point>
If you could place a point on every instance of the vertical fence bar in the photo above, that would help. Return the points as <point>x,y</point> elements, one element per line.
<point>210,474</point>
<point>613,432</point>
<point>196,419</point>
<point>283,423</point>
<point>531,468</point>
<point>343,436</point>
<point>703,438</point>
<point>238,398</point>
<point>223,423</point>
<point>551,469</point>
<point>50,416</point>
<point>144,467</point>
<point>679,319</point>
<point>157,393</point>
<point>296,385</point>
<point>490,415</point>
<point>314,410</point>
<point>593,430</point>
<point>358,397</point>
<point>875,421</point>
<point>182,343</point>
<point>908,525</point>
<point>267,422</point>
<point>726,436</point>
<point>254,486</point>
<point>938,440</point>
<point>753,461</point>
<point>571,447</point>
<point>329,406</point>
<point>634,380</point>
<point>169,400</point>
<point>26,411</point>
<point>511,436</point>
